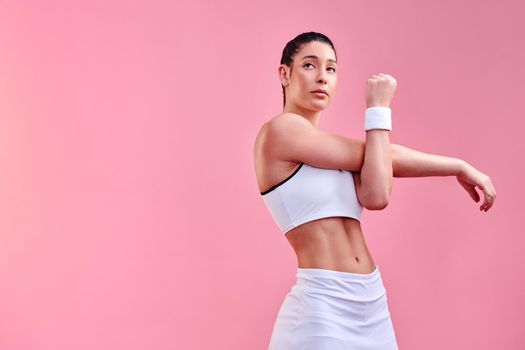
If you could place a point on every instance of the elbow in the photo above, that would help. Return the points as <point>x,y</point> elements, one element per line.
<point>374,198</point>
<point>377,205</point>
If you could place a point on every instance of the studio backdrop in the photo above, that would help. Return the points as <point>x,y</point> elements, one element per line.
<point>130,216</point>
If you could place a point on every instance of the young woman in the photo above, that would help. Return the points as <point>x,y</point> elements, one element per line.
<point>316,184</point>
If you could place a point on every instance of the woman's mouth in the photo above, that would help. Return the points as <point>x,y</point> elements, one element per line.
<point>319,94</point>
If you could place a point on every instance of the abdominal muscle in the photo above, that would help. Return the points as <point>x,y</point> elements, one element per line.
<point>332,243</point>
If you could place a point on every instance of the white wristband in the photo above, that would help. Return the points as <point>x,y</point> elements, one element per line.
<point>378,118</point>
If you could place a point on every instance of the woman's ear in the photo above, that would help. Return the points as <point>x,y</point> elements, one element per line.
<point>283,74</point>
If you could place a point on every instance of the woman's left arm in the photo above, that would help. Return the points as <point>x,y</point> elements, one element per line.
<point>407,162</point>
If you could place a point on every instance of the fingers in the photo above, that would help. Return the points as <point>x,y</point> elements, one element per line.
<point>490,195</point>
<point>485,201</point>
<point>384,76</point>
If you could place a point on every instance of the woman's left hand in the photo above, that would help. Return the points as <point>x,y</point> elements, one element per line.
<point>470,178</point>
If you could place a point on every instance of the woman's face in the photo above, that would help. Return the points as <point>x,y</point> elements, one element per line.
<point>314,67</point>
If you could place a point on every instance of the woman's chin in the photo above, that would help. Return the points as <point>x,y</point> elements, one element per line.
<point>319,105</point>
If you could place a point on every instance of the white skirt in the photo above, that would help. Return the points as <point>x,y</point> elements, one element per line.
<point>334,310</point>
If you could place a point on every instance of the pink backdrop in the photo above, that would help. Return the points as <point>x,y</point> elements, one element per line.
<point>130,217</point>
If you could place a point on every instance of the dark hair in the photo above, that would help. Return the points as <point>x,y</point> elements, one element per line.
<point>293,47</point>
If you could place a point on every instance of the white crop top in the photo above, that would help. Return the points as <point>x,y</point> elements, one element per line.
<point>312,193</point>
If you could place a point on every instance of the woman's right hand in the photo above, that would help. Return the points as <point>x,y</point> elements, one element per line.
<point>380,90</point>
<point>470,178</point>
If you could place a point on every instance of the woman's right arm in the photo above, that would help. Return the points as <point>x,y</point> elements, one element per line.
<point>375,179</point>
<point>293,138</point>
<point>374,184</point>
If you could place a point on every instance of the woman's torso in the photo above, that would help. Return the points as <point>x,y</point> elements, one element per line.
<point>334,243</point>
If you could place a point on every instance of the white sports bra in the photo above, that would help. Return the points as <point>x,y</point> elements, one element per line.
<point>312,193</point>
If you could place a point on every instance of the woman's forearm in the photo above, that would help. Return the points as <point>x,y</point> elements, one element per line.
<point>376,172</point>
<point>407,162</point>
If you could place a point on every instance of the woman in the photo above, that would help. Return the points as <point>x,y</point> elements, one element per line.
<point>316,184</point>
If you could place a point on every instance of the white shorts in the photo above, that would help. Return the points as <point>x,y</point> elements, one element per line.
<point>334,310</point>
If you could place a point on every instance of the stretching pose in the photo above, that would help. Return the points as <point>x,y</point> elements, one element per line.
<point>315,185</point>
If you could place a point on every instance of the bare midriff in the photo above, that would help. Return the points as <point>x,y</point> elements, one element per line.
<point>332,243</point>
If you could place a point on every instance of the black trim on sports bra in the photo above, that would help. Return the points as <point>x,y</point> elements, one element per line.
<point>280,183</point>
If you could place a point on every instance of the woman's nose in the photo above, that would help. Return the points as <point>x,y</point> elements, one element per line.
<point>322,78</point>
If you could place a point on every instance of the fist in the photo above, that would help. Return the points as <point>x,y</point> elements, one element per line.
<point>380,90</point>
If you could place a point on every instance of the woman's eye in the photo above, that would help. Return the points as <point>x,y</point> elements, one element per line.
<point>309,64</point>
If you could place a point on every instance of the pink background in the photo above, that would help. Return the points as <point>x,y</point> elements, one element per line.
<point>130,217</point>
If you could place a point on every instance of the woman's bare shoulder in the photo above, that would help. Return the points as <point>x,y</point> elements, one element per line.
<point>281,123</point>
<point>275,120</point>
<point>285,119</point>
<point>285,116</point>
